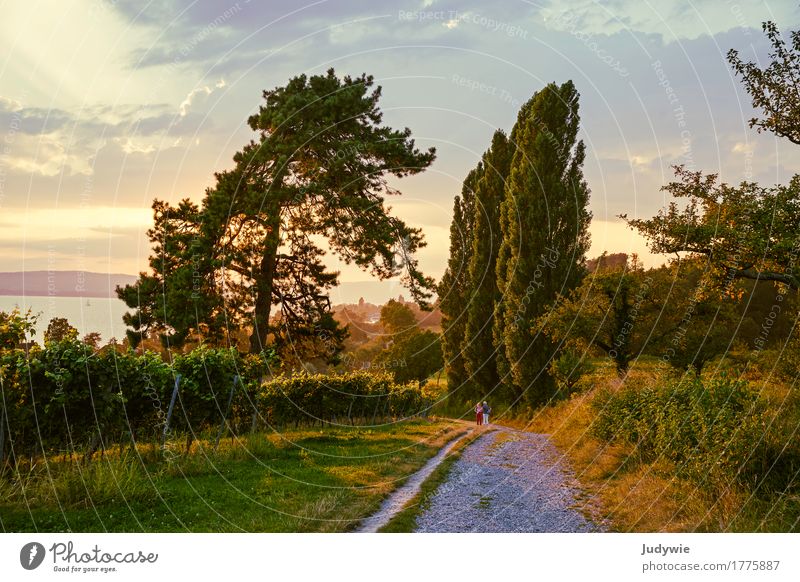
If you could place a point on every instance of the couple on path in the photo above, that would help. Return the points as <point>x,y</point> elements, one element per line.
<point>482,413</point>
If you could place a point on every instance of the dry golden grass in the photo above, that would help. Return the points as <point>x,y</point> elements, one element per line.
<point>628,495</point>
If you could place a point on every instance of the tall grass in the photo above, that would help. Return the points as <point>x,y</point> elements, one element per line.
<point>660,452</point>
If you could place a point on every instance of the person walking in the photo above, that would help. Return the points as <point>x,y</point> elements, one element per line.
<point>486,411</point>
<point>479,413</point>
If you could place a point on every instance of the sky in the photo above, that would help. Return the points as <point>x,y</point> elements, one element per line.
<point>106,105</point>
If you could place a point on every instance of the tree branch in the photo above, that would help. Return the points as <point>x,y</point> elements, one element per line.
<point>784,278</point>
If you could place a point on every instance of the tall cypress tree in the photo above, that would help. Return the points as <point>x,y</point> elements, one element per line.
<point>479,349</point>
<point>544,222</point>
<point>455,288</point>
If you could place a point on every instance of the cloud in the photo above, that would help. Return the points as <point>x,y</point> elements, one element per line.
<point>743,148</point>
<point>84,237</point>
<point>206,90</point>
<point>673,20</point>
<point>7,104</point>
<point>55,142</point>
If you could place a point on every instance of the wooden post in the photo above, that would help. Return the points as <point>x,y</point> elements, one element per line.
<point>227,409</point>
<point>170,409</point>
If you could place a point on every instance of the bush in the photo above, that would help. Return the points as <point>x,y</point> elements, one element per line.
<point>712,432</point>
<point>568,369</point>
<point>69,396</point>
<point>346,398</point>
<point>789,360</point>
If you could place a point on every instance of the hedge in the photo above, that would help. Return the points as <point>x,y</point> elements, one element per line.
<point>354,397</point>
<point>711,431</point>
<point>69,397</point>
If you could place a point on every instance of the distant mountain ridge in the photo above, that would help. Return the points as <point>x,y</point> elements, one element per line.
<point>62,283</point>
<point>89,284</point>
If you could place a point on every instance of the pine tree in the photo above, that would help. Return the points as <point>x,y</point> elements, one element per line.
<point>318,170</point>
<point>479,349</point>
<point>544,223</point>
<point>454,288</point>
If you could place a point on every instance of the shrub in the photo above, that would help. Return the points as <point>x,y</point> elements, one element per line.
<point>568,369</point>
<point>69,396</point>
<point>789,360</point>
<point>710,432</point>
<point>345,398</point>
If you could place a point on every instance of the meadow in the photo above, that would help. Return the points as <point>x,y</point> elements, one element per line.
<point>324,479</point>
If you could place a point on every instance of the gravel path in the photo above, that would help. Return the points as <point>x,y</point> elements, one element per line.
<point>397,500</point>
<point>507,481</point>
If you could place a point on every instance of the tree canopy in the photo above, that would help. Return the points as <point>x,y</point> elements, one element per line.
<point>480,355</point>
<point>774,88</point>
<point>319,168</point>
<point>455,288</point>
<point>397,319</point>
<point>669,312</point>
<point>746,231</point>
<point>544,223</point>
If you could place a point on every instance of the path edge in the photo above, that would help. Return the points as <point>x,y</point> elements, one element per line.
<point>381,518</point>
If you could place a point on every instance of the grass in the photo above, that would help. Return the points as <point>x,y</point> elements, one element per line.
<point>629,495</point>
<point>305,480</point>
<point>406,520</point>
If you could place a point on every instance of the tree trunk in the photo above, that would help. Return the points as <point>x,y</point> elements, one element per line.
<point>264,275</point>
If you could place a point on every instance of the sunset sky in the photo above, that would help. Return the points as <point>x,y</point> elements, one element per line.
<point>107,105</point>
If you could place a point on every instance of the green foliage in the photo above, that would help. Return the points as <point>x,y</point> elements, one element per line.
<point>696,323</point>
<point>176,298</point>
<point>341,399</point>
<point>746,231</point>
<point>773,87</point>
<point>613,309</point>
<point>397,319</point>
<point>319,168</point>
<point>544,221</point>
<point>69,396</point>
<point>15,327</point>
<point>455,288</point>
<point>568,369</point>
<point>480,356</point>
<point>59,330</point>
<point>711,431</point>
<point>414,357</point>
<point>671,312</point>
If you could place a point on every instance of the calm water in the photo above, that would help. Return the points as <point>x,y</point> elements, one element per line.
<point>87,315</point>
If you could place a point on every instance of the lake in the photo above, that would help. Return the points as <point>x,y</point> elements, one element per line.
<point>103,315</point>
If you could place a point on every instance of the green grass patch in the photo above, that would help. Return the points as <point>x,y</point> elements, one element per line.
<point>406,520</point>
<point>307,480</point>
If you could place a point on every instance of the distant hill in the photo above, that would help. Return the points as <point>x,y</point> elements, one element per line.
<point>62,283</point>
